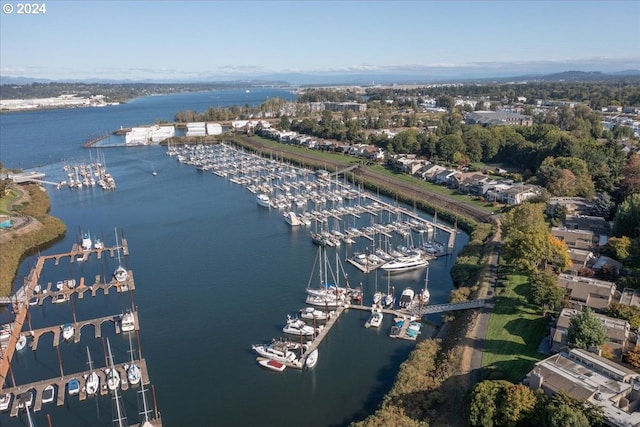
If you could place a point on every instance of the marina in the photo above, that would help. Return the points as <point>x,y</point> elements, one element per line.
<point>256,261</point>
<point>33,294</point>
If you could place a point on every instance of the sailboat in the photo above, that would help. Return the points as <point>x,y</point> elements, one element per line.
<point>120,274</point>
<point>133,371</point>
<point>113,377</point>
<point>92,383</point>
<point>424,294</point>
<point>113,382</point>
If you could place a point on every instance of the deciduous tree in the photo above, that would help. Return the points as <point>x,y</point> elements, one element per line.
<point>585,330</point>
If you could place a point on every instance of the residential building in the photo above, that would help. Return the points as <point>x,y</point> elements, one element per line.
<point>587,292</point>
<point>618,332</point>
<point>588,377</point>
<point>574,205</point>
<point>577,239</point>
<point>498,118</point>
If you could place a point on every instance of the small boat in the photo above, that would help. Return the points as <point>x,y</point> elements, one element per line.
<point>312,359</point>
<point>271,364</point>
<point>98,244</point>
<point>154,173</point>
<point>48,394</point>
<point>21,343</point>
<point>59,298</point>
<point>292,219</point>
<point>127,321</point>
<point>315,314</point>
<point>68,331</point>
<point>5,401</point>
<point>375,320</point>
<point>377,298</point>
<point>60,285</point>
<point>424,294</point>
<point>34,301</point>
<point>92,382</point>
<point>25,400</point>
<point>73,386</point>
<point>263,200</point>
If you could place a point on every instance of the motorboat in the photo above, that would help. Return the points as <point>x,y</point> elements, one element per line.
<point>127,321</point>
<point>48,394</point>
<point>86,243</point>
<point>60,285</point>
<point>21,343</point>
<point>5,401</point>
<point>59,298</point>
<point>406,299</point>
<point>277,350</point>
<point>34,301</point>
<point>375,320</point>
<point>68,331</point>
<point>405,263</point>
<point>92,382</point>
<point>315,314</point>
<point>292,219</point>
<point>98,244</point>
<point>271,364</point>
<point>311,359</point>
<point>296,326</point>
<point>73,386</point>
<point>263,200</point>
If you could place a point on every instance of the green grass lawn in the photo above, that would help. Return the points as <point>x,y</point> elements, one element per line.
<point>6,201</point>
<point>516,328</point>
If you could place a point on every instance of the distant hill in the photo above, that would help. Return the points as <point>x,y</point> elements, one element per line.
<point>587,76</point>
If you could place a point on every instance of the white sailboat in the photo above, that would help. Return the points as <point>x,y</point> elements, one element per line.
<point>424,294</point>
<point>133,371</point>
<point>120,274</point>
<point>113,383</point>
<point>92,382</point>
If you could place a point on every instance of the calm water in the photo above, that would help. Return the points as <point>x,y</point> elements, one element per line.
<point>214,273</point>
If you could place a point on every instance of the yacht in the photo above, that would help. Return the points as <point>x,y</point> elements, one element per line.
<point>271,364</point>
<point>92,380</point>
<point>120,274</point>
<point>133,371</point>
<point>296,326</point>
<point>5,401</point>
<point>376,319</point>
<point>263,200</point>
<point>98,244</point>
<point>405,263</point>
<point>86,242</point>
<point>292,219</point>
<point>278,351</point>
<point>312,359</point>
<point>406,299</point>
<point>127,321</point>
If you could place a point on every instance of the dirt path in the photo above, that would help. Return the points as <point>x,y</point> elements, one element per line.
<point>21,224</point>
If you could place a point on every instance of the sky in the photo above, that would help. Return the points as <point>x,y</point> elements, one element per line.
<point>196,40</point>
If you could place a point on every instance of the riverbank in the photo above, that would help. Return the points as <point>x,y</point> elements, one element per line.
<point>33,228</point>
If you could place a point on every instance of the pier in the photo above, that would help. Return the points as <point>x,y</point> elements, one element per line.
<point>32,293</point>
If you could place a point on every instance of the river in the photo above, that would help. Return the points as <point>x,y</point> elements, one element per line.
<point>214,273</point>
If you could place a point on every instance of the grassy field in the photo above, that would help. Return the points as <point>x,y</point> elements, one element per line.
<point>6,201</point>
<point>516,328</point>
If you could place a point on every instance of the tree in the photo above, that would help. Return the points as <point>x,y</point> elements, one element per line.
<point>517,403</point>
<point>558,254</point>
<point>544,290</point>
<point>620,246</point>
<point>626,312</point>
<point>564,410</point>
<point>630,182</point>
<point>585,330</point>
<point>627,219</point>
<point>525,237</point>
<point>632,357</point>
<point>482,406</point>
<point>602,205</point>
<point>285,123</point>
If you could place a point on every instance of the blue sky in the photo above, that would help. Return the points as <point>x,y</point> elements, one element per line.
<point>180,40</point>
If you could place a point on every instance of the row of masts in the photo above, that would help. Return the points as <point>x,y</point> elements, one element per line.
<point>87,175</point>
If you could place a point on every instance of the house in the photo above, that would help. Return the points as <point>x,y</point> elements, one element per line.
<point>587,292</point>
<point>588,377</point>
<point>618,332</point>
<point>597,224</point>
<point>577,239</point>
<point>519,193</point>
<point>603,261</point>
<point>574,205</point>
<point>445,177</point>
<point>429,171</point>
<point>473,183</point>
<point>580,258</point>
